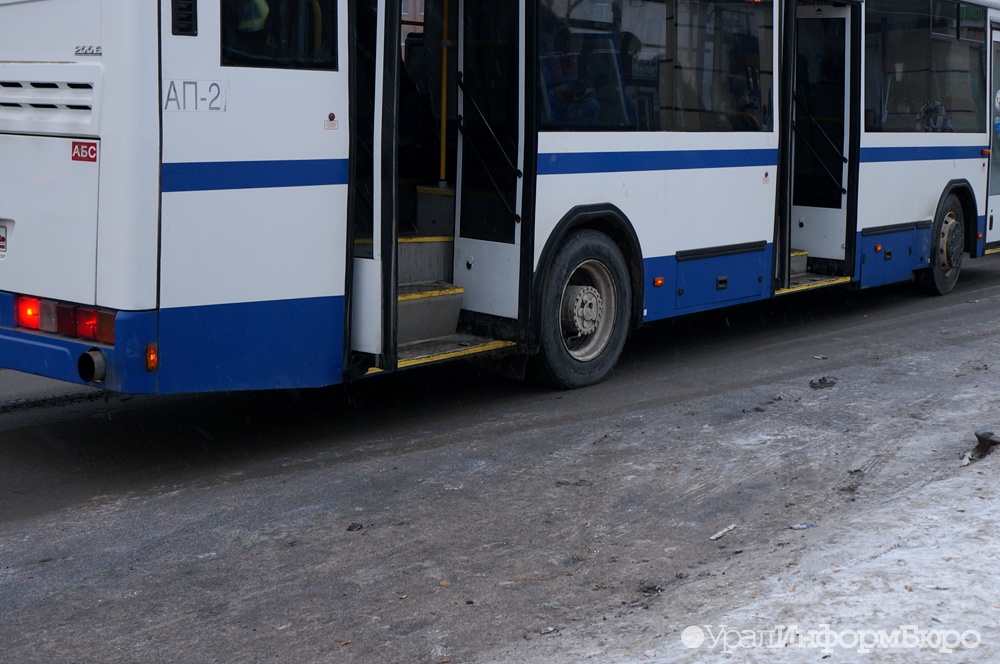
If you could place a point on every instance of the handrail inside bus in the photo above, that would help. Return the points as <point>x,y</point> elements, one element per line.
<point>443,154</point>
<point>819,160</point>
<point>815,123</point>
<point>482,116</point>
<point>486,169</point>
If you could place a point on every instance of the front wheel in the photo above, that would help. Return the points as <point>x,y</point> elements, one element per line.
<point>586,308</point>
<point>947,249</point>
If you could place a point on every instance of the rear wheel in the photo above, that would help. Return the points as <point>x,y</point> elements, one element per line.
<point>586,308</point>
<point>947,249</point>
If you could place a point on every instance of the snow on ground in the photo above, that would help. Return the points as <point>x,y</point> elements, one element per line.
<point>921,565</point>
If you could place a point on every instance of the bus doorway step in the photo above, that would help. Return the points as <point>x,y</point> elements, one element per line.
<point>810,280</point>
<point>450,347</point>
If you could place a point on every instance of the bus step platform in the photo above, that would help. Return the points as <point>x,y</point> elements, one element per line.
<point>810,280</point>
<point>427,310</point>
<point>447,347</point>
<point>799,261</point>
<point>425,258</point>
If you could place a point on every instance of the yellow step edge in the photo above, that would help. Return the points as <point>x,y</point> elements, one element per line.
<point>436,191</point>
<point>426,238</point>
<point>799,252</point>
<point>450,355</point>
<point>412,240</point>
<point>992,251</point>
<point>810,286</point>
<point>455,290</point>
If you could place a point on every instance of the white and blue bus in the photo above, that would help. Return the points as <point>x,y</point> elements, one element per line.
<point>206,195</point>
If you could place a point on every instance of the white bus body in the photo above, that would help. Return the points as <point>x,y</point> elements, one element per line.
<point>208,195</point>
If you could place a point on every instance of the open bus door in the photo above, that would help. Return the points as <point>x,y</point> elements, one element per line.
<point>437,147</point>
<point>821,223</point>
<point>490,156</point>
<point>993,191</point>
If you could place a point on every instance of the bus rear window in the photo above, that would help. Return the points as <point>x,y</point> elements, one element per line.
<point>280,34</point>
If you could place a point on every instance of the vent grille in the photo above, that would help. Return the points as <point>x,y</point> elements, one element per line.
<point>185,18</point>
<point>46,100</point>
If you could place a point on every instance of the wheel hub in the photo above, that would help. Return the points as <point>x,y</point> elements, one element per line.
<point>951,244</point>
<point>583,309</point>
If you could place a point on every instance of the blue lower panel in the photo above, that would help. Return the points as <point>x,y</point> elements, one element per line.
<point>980,248</point>
<point>252,346</point>
<point>258,345</point>
<point>888,258</point>
<point>699,284</point>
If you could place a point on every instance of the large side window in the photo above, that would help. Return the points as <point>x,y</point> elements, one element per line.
<point>283,34</point>
<point>925,66</point>
<point>656,65</point>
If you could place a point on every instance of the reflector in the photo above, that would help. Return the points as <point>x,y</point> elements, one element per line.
<point>106,327</point>
<point>48,320</point>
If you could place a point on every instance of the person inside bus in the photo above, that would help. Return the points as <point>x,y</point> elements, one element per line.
<point>932,117</point>
<point>630,46</point>
<point>572,97</point>
<point>746,118</point>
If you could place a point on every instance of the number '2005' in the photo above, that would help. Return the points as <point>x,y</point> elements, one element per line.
<point>88,50</point>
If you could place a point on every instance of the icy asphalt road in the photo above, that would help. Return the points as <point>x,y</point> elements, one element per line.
<point>447,514</point>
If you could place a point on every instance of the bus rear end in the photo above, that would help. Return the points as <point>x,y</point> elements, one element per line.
<point>79,190</point>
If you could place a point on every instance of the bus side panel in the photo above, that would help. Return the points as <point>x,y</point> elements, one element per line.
<point>682,193</point>
<point>902,179</point>
<point>128,202</point>
<point>252,294</point>
<point>253,226</point>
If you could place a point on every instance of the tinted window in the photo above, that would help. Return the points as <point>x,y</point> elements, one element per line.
<point>287,34</point>
<point>671,65</point>
<point>925,67</point>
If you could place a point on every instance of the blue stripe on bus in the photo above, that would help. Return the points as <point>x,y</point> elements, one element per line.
<point>926,153</point>
<point>218,175</point>
<point>566,163</point>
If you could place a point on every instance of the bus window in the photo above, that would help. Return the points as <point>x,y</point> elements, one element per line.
<point>280,34</point>
<point>670,65</point>
<point>926,69</point>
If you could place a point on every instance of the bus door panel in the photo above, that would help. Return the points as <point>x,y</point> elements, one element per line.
<point>491,154</point>
<point>993,192</point>
<point>821,132</point>
<point>369,296</point>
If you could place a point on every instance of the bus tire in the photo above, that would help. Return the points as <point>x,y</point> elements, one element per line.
<point>947,249</point>
<point>585,312</point>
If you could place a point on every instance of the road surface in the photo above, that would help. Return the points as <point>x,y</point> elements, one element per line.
<point>448,514</point>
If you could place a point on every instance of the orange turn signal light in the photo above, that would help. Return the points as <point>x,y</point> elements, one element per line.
<point>152,357</point>
<point>657,281</point>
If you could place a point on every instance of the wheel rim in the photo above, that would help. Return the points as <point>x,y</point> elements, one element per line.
<point>950,244</point>
<point>588,308</point>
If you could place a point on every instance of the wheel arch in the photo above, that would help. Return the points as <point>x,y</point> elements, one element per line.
<point>602,217</point>
<point>970,210</point>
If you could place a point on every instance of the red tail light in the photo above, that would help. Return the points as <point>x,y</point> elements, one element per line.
<point>86,323</point>
<point>66,319</point>
<point>28,313</point>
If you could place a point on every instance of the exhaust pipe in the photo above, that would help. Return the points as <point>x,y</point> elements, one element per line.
<point>92,366</point>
